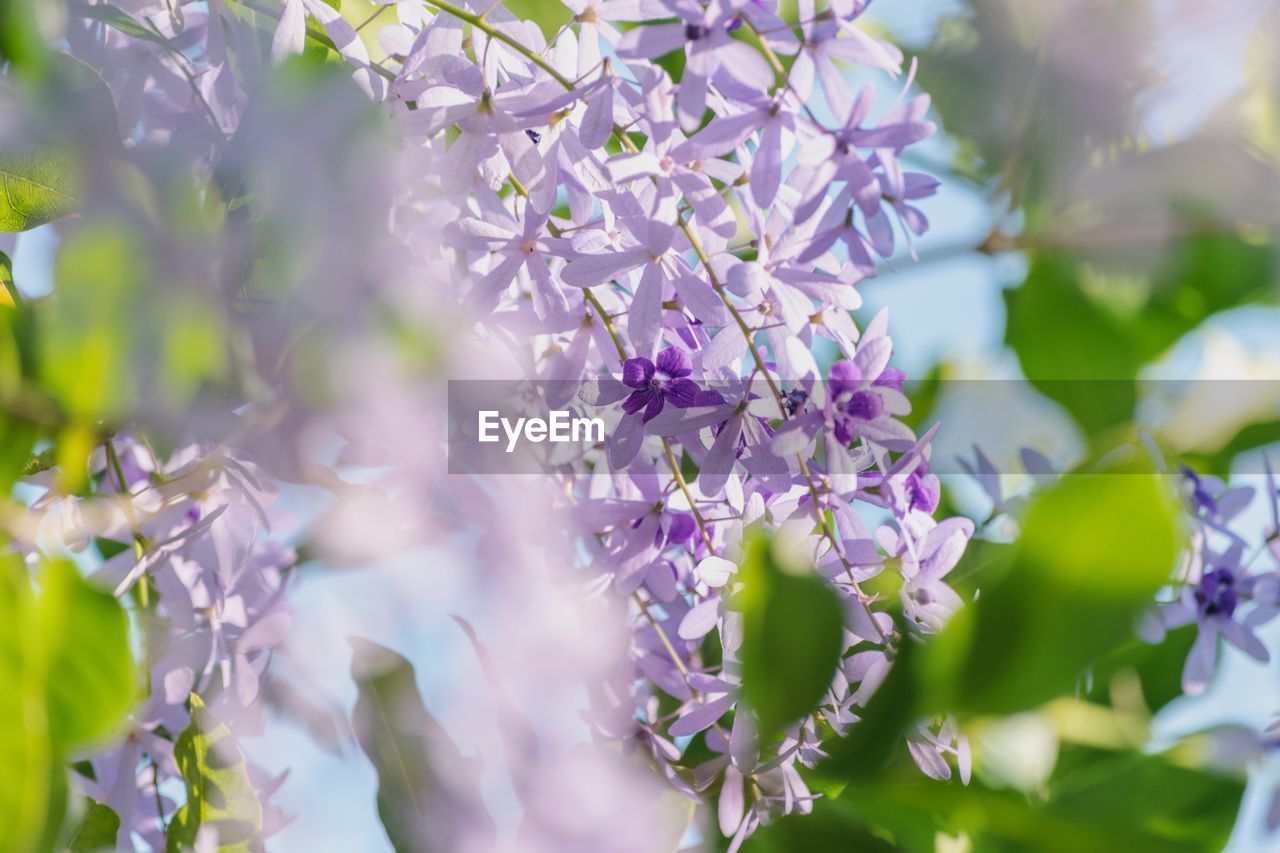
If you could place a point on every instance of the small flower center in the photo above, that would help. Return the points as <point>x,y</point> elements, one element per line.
<point>694,32</point>
<point>1216,593</point>
<point>529,246</point>
<point>864,405</point>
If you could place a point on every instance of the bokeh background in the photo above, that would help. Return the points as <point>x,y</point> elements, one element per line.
<point>1109,210</point>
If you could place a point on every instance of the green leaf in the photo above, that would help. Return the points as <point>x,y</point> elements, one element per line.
<point>793,633</point>
<point>924,393</point>
<point>67,679</point>
<point>26,754</point>
<point>1247,438</point>
<point>9,296</point>
<point>97,829</point>
<point>549,17</point>
<point>1203,273</point>
<point>88,355</point>
<point>17,440</point>
<point>1096,800</point>
<point>90,669</point>
<point>1158,668</point>
<point>426,794</point>
<point>829,827</point>
<point>1093,551</point>
<point>1070,348</point>
<point>982,563</point>
<point>219,793</point>
<point>21,42</point>
<point>39,185</point>
<point>688,467</point>
<point>121,21</point>
<point>1178,807</point>
<point>57,806</point>
<point>108,548</point>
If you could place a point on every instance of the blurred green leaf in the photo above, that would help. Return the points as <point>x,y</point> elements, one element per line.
<point>120,21</point>
<point>97,829</point>
<point>1249,437</point>
<point>923,393</point>
<point>39,186</point>
<point>1071,349</point>
<point>68,679</point>
<point>829,827</point>
<point>793,633</point>
<point>1093,551</point>
<point>108,548</point>
<point>1160,286</point>
<point>26,754</point>
<point>9,296</point>
<point>193,346</point>
<point>549,17</point>
<point>90,668</point>
<point>86,346</point>
<point>17,439</point>
<point>425,793</point>
<point>982,563</point>
<point>1258,107</point>
<point>1157,667</point>
<point>1204,273</point>
<point>21,42</point>
<point>1096,800</point>
<point>219,793</point>
<point>58,804</point>
<point>1177,807</point>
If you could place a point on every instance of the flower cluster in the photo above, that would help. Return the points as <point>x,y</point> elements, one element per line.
<point>1224,586</point>
<point>194,554</point>
<point>1218,588</point>
<point>692,241</point>
<point>687,243</point>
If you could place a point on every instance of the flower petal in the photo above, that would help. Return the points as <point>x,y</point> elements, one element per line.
<point>715,571</point>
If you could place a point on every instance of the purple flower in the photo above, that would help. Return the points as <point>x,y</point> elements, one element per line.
<point>704,33</point>
<point>822,46</point>
<point>926,598</point>
<point>859,407</point>
<point>1198,491</point>
<point>656,384</point>
<point>593,221</point>
<point>1216,604</point>
<point>929,750</point>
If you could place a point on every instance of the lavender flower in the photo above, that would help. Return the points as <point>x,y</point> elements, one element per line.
<point>1216,605</point>
<point>594,225</point>
<point>657,384</point>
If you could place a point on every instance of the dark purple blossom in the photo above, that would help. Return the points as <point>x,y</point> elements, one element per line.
<point>658,383</point>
